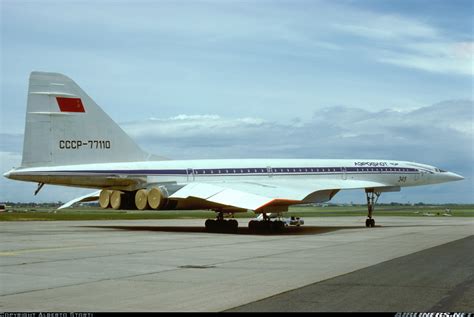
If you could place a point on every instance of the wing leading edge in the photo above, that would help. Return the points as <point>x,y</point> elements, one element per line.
<point>264,197</point>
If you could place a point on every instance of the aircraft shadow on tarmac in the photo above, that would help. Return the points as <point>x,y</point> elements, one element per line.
<point>305,230</point>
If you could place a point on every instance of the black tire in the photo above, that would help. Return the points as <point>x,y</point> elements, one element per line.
<point>210,225</point>
<point>252,226</point>
<point>278,226</point>
<point>269,226</point>
<point>368,223</point>
<point>234,225</point>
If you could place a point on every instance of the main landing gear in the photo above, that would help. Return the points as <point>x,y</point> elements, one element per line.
<point>222,225</point>
<point>372,197</point>
<point>266,225</point>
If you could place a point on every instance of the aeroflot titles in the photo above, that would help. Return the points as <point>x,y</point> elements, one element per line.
<point>370,164</point>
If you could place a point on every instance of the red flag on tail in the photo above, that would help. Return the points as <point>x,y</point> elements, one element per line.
<point>70,104</point>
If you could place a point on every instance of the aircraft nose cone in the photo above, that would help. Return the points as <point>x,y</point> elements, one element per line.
<point>455,177</point>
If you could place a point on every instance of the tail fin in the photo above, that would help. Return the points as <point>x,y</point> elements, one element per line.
<point>65,126</point>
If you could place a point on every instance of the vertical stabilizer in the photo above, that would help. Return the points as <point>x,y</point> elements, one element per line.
<point>65,126</point>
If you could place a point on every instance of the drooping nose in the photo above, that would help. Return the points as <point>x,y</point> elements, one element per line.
<point>7,174</point>
<point>454,177</point>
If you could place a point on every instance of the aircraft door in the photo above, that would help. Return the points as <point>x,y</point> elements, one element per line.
<point>190,173</point>
<point>269,171</point>
<point>344,175</point>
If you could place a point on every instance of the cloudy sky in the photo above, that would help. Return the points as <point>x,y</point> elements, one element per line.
<point>281,79</point>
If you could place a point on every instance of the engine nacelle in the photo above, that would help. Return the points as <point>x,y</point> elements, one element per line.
<point>122,200</point>
<point>153,198</point>
<point>104,198</point>
<point>141,199</point>
<point>157,198</point>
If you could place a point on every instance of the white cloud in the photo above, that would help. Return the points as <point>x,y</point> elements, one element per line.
<point>332,132</point>
<point>440,135</point>
<point>464,50</point>
<point>174,58</point>
<point>438,57</point>
<point>409,43</point>
<point>385,27</point>
<point>189,126</point>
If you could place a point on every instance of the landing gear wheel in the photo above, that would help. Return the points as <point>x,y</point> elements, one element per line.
<point>221,225</point>
<point>370,223</point>
<point>266,226</point>
<point>253,226</point>
<point>278,226</point>
<point>256,226</point>
<point>233,225</point>
<point>209,224</point>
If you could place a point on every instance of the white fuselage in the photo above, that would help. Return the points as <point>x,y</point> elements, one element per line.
<point>389,172</point>
<point>69,140</point>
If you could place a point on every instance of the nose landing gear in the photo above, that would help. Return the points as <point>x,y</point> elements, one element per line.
<point>372,197</point>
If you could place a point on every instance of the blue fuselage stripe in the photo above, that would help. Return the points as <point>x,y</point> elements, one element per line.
<point>254,171</point>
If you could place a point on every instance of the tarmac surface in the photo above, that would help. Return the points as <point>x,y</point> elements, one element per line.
<point>330,264</point>
<point>439,279</point>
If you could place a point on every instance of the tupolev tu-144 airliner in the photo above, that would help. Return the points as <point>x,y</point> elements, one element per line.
<point>69,140</point>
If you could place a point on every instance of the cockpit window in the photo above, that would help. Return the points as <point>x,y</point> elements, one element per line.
<point>442,171</point>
